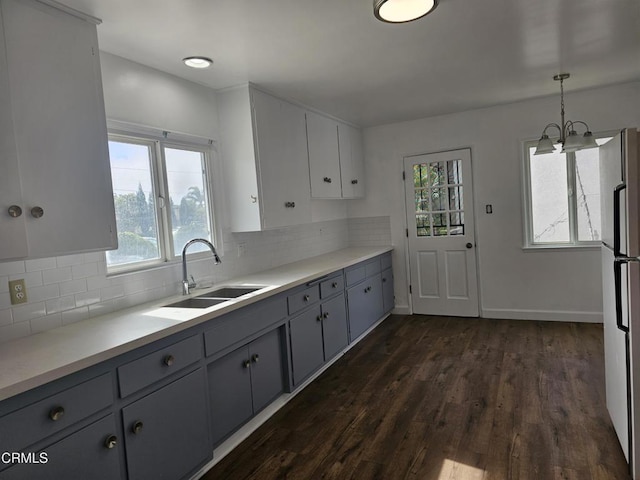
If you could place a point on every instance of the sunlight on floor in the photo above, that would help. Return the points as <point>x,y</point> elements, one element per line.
<point>452,470</point>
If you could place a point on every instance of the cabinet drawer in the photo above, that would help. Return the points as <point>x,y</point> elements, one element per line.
<point>372,267</point>
<point>331,286</point>
<point>355,274</point>
<point>231,329</point>
<point>303,298</point>
<point>45,417</point>
<point>157,365</point>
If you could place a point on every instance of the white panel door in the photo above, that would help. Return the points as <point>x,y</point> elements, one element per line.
<point>440,231</point>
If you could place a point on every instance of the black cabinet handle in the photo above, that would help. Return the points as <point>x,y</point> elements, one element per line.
<point>327,180</point>
<point>136,428</point>
<point>290,204</point>
<point>354,182</point>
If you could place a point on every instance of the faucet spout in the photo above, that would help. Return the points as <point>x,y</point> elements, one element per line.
<point>186,285</point>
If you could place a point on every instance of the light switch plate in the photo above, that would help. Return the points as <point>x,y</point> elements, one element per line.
<point>17,291</point>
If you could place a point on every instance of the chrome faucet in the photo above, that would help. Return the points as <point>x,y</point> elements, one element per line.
<point>186,285</point>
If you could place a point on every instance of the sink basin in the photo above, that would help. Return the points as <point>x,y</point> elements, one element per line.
<point>229,292</point>
<point>197,302</point>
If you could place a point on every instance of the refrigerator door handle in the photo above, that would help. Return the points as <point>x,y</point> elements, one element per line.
<point>616,218</point>
<point>617,278</point>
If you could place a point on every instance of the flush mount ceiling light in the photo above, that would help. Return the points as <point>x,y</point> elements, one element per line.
<point>197,62</point>
<point>569,138</point>
<point>401,11</point>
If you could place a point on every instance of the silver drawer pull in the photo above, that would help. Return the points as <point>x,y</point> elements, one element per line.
<point>111,441</point>
<point>169,360</point>
<point>56,413</point>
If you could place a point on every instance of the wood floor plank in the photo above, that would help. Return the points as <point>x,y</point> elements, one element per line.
<point>444,398</point>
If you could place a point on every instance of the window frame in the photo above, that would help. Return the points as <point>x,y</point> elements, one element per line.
<point>157,142</point>
<point>572,202</point>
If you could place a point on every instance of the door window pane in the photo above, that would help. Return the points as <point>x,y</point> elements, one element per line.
<point>549,200</point>
<point>133,196</point>
<point>187,198</point>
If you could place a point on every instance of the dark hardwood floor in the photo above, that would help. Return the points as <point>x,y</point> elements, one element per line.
<point>435,398</point>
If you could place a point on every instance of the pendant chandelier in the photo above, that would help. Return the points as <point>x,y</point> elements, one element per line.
<point>402,11</point>
<point>569,138</point>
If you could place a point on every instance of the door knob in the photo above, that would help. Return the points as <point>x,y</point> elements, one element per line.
<point>469,245</point>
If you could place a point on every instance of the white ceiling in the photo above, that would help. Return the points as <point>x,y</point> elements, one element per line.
<point>335,56</point>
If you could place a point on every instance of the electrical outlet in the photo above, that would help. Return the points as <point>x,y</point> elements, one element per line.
<point>17,291</point>
<point>242,249</point>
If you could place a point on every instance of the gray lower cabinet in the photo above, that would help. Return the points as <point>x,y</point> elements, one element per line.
<point>166,434</point>
<point>365,305</point>
<point>243,382</point>
<point>335,333</point>
<point>307,348</point>
<point>388,299</point>
<point>90,453</point>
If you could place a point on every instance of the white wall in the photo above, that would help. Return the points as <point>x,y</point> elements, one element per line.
<point>546,285</point>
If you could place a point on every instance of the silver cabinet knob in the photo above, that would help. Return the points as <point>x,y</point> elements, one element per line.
<point>255,358</point>
<point>334,285</point>
<point>137,427</point>
<point>14,211</point>
<point>290,204</point>
<point>246,363</point>
<point>37,212</point>
<point>306,298</point>
<point>56,413</point>
<point>326,315</point>
<point>169,360</point>
<point>327,180</point>
<point>111,441</point>
<point>319,318</point>
<point>354,182</point>
<point>469,245</point>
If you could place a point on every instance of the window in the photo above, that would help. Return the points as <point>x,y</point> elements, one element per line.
<point>562,197</point>
<point>162,199</point>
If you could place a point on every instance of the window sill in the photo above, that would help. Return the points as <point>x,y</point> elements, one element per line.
<point>560,248</point>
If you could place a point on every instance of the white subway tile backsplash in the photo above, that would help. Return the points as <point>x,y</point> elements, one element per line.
<point>57,275</point>
<point>84,270</point>
<point>71,288</point>
<point>28,311</point>
<point>40,264</point>
<point>10,268</point>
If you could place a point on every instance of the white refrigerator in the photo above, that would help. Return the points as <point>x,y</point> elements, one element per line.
<point>620,204</point>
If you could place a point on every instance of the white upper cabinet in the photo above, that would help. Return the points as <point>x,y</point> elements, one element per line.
<point>351,161</point>
<point>324,156</point>
<point>264,154</point>
<point>55,188</point>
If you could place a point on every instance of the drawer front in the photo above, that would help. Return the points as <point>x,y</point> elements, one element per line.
<point>82,455</point>
<point>236,326</point>
<point>355,274</point>
<point>157,365</point>
<point>372,267</point>
<point>385,261</point>
<point>331,286</point>
<point>45,417</point>
<point>303,298</point>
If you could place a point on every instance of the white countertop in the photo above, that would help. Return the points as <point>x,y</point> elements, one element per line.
<point>30,362</point>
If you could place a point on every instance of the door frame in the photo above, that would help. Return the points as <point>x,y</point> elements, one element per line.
<point>407,256</point>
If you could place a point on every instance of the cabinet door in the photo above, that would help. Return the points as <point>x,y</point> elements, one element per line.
<point>166,432</point>
<point>280,136</point>
<point>13,234</point>
<point>82,455</point>
<point>307,353</point>
<point>229,393</point>
<point>324,158</point>
<point>388,300</point>
<point>334,326</point>
<point>351,161</point>
<point>266,369</point>
<point>60,129</point>
<point>365,305</point>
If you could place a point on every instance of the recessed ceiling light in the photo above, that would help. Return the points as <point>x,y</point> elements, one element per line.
<point>401,11</point>
<point>197,62</point>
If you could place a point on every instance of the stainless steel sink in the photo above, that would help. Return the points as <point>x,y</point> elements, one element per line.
<point>229,292</point>
<point>197,302</point>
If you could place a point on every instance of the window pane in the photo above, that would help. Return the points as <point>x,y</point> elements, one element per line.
<point>133,196</point>
<point>187,198</point>
<point>588,194</point>
<point>549,200</point>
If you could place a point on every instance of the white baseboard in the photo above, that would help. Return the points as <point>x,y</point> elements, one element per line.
<point>401,310</point>
<point>544,315</point>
